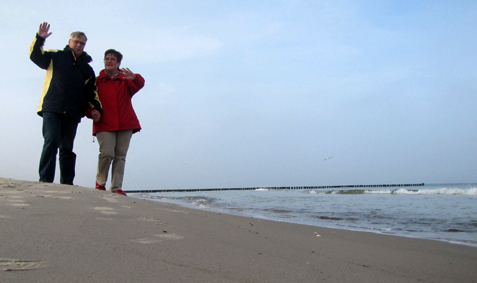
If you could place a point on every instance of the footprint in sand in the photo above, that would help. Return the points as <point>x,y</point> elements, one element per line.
<point>106,210</point>
<point>110,199</point>
<point>17,202</point>
<point>164,236</point>
<point>170,236</point>
<point>7,264</point>
<point>146,241</point>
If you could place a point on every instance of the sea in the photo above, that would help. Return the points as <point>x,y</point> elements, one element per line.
<point>444,212</point>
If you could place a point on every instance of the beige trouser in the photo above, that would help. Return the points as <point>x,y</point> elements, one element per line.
<point>113,148</point>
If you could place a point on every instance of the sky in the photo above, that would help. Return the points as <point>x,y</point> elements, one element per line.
<point>262,93</point>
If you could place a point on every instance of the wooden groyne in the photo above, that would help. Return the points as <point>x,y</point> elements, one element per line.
<point>276,188</point>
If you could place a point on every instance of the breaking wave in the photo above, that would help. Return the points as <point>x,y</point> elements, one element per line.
<point>440,191</point>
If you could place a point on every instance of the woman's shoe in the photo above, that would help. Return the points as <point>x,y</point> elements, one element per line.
<point>98,187</point>
<point>120,192</point>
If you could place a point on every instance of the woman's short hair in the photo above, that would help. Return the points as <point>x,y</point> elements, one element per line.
<point>117,54</point>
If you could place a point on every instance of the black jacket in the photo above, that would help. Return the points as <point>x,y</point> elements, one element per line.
<point>70,85</point>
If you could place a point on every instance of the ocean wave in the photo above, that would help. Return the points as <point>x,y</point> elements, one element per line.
<point>440,191</point>
<point>201,202</point>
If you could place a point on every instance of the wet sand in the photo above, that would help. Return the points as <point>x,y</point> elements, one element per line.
<point>57,233</point>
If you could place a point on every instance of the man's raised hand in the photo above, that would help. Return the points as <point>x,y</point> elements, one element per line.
<point>43,31</point>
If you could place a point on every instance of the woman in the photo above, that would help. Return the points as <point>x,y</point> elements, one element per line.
<point>118,123</point>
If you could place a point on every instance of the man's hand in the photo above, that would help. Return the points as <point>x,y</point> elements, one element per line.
<point>96,115</point>
<point>43,31</point>
<point>128,75</point>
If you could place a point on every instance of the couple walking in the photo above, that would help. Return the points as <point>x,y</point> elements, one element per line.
<point>71,91</point>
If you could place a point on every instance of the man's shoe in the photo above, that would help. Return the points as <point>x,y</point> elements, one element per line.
<point>98,187</point>
<point>120,192</point>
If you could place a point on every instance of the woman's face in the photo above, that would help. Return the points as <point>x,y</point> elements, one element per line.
<point>111,64</point>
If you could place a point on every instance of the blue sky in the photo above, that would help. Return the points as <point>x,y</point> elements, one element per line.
<point>259,93</point>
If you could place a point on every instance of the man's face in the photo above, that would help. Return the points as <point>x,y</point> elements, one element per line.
<point>111,64</point>
<point>77,45</point>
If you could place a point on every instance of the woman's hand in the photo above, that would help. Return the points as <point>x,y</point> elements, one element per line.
<point>128,75</point>
<point>95,115</point>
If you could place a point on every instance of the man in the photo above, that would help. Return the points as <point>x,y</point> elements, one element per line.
<point>69,88</point>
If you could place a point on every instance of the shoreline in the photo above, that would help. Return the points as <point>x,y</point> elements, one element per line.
<point>466,241</point>
<point>58,233</point>
<point>190,206</point>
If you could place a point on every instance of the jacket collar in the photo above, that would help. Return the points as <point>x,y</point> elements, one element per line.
<point>104,76</point>
<point>84,57</point>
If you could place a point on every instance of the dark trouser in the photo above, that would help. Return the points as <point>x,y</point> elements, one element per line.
<point>59,131</point>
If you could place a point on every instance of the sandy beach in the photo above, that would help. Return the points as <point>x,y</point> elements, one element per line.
<point>58,233</point>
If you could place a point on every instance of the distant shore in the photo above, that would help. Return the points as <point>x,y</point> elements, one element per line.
<point>58,233</point>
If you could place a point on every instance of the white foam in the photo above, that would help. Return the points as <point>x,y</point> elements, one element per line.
<point>378,192</point>
<point>441,191</point>
<point>201,203</point>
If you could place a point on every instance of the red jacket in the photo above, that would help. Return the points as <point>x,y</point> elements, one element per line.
<point>115,96</point>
